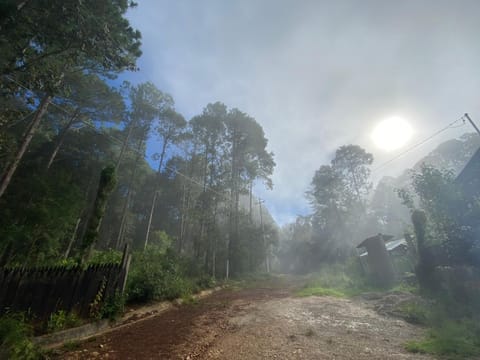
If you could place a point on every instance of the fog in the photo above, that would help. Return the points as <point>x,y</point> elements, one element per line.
<point>279,168</point>
<point>317,74</point>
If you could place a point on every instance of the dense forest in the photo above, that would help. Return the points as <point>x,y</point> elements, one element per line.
<point>77,183</point>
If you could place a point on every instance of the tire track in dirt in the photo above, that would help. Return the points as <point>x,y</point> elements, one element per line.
<point>261,322</point>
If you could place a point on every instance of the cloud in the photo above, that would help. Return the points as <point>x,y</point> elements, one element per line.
<point>316,74</point>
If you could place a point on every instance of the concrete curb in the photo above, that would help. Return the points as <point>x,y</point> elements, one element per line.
<point>55,340</point>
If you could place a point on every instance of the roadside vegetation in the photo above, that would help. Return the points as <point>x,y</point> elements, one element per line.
<point>159,274</point>
<point>443,294</point>
<point>339,280</point>
<point>449,334</point>
<point>452,326</point>
<point>15,342</point>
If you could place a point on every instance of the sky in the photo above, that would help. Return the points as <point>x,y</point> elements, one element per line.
<point>317,74</point>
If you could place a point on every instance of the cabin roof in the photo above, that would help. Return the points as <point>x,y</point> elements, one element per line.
<point>366,241</point>
<point>391,245</point>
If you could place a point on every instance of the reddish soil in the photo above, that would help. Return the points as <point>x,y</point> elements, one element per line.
<point>262,322</point>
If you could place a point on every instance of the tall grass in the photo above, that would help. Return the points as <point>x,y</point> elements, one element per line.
<point>339,280</point>
<point>453,329</point>
<point>450,338</point>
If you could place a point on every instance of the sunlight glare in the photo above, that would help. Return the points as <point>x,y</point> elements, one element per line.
<point>392,133</point>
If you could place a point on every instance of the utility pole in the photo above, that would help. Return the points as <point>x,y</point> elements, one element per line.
<point>150,217</point>
<point>472,123</point>
<point>267,264</point>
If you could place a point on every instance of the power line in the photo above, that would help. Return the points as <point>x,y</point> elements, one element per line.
<point>449,126</point>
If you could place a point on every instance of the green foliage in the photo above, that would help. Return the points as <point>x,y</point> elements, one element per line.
<point>14,339</point>
<point>105,187</point>
<point>61,320</point>
<point>92,36</point>
<point>161,240</point>
<point>338,196</point>
<point>98,257</point>
<point>112,307</point>
<point>452,339</point>
<point>96,305</point>
<point>205,282</point>
<point>189,300</point>
<point>66,263</point>
<point>105,257</point>
<point>320,291</point>
<point>339,280</point>
<point>107,307</point>
<point>156,275</point>
<point>406,287</point>
<point>453,327</point>
<point>37,215</point>
<point>450,216</point>
<point>351,163</point>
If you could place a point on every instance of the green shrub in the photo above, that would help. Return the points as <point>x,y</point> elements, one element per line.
<point>61,320</point>
<point>14,339</point>
<point>458,339</point>
<point>105,257</point>
<point>189,300</point>
<point>156,275</point>
<point>112,307</point>
<point>205,282</point>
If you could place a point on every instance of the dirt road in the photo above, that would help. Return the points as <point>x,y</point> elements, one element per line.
<point>263,322</point>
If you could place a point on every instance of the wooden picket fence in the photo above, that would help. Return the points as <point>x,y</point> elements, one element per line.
<point>45,290</point>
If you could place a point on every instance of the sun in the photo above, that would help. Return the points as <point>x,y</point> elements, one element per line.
<point>392,133</point>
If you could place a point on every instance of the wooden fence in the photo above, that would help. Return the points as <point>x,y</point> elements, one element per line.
<point>42,291</point>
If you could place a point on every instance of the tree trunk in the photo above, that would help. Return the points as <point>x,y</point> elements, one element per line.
<point>124,146</point>
<point>121,231</point>
<point>12,167</point>
<point>214,245</point>
<point>61,138</point>
<point>22,4</point>
<point>89,194</point>
<point>214,258</point>
<point>152,208</point>
<point>265,247</point>
<point>183,218</point>
<point>231,238</point>
<point>251,201</point>
<point>72,239</point>
<point>186,208</point>
<point>130,126</point>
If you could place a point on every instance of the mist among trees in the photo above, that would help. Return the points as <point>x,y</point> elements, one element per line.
<point>99,171</point>
<point>76,178</point>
